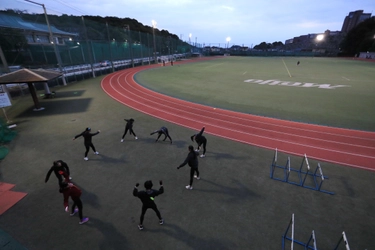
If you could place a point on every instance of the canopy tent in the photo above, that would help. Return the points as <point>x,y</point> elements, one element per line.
<point>31,76</point>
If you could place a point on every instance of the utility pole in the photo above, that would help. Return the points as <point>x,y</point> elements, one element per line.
<point>110,49</point>
<point>58,58</point>
<point>88,48</point>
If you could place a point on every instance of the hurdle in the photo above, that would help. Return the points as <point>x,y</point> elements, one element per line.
<point>284,168</point>
<point>343,238</point>
<point>311,243</point>
<point>292,240</point>
<point>303,172</point>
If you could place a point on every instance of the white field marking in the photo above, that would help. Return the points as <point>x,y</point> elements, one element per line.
<point>223,128</point>
<point>244,73</point>
<point>213,65</point>
<point>346,78</point>
<point>176,104</point>
<point>275,82</point>
<point>287,68</point>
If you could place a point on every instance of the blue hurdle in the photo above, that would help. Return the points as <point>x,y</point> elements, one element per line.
<point>285,168</point>
<point>303,171</point>
<point>292,240</point>
<point>311,243</point>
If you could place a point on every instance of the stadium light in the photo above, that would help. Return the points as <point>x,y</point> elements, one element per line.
<point>153,34</point>
<point>228,40</point>
<point>320,37</point>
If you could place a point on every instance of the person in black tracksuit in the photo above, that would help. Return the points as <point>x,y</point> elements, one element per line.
<point>88,141</point>
<point>192,161</point>
<point>129,126</point>
<point>200,140</point>
<point>162,131</point>
<point>147,198</point>
<point>61,170</point>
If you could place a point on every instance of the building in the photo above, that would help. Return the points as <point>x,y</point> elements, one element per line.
<point>353,19</point>
<point>329,44</point>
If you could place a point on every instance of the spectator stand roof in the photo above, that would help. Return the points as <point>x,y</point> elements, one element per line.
<point>15,22</point>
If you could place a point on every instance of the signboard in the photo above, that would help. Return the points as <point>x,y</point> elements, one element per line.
<point>4,100</point>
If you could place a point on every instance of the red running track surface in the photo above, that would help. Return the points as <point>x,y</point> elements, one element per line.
<point>340,146</point>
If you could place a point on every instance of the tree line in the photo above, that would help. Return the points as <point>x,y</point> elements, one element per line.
<point>359,39</point>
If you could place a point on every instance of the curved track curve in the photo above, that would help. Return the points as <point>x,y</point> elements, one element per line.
<point>340,146</point>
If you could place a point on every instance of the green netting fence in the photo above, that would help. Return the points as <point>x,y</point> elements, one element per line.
<point>81,51</point>
<point>6,135</point>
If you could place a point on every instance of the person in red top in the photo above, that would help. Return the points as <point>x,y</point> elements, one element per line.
<point>72,191</point>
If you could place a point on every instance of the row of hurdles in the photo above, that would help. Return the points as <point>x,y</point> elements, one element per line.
<point>304,176</point>
<point>304,171</point>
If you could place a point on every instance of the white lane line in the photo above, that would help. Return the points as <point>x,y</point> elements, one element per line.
<point>345,78</point>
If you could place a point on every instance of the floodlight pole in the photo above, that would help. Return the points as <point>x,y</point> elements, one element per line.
<point>153,34</point>
<point>89,48</point>
<point>109,46</point>
<point>140,43</point>
<point>51,40</point>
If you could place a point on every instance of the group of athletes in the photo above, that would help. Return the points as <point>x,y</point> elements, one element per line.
<point>68,189</point>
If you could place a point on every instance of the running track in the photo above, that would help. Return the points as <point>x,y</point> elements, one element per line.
<point>340,146</point>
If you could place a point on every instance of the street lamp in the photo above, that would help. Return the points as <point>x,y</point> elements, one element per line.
<point>190,38</point>
<point>153,34</point>
<point>228,40</point>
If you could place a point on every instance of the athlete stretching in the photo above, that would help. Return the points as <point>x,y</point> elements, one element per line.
<point>147,198</point>
<point>162,131</point>
<point>200,140</point>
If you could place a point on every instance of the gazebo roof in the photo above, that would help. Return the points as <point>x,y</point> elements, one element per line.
<point>29,76</point>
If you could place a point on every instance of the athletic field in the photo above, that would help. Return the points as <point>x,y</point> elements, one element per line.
<point>325,91</point>
<point>235,204</point>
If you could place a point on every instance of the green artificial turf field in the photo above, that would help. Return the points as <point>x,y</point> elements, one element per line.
<point>326,91</point>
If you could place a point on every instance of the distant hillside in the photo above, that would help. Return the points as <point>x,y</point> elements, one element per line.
<point>95,25</point>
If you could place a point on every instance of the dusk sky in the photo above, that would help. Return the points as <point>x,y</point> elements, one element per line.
<point>211,22</point>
